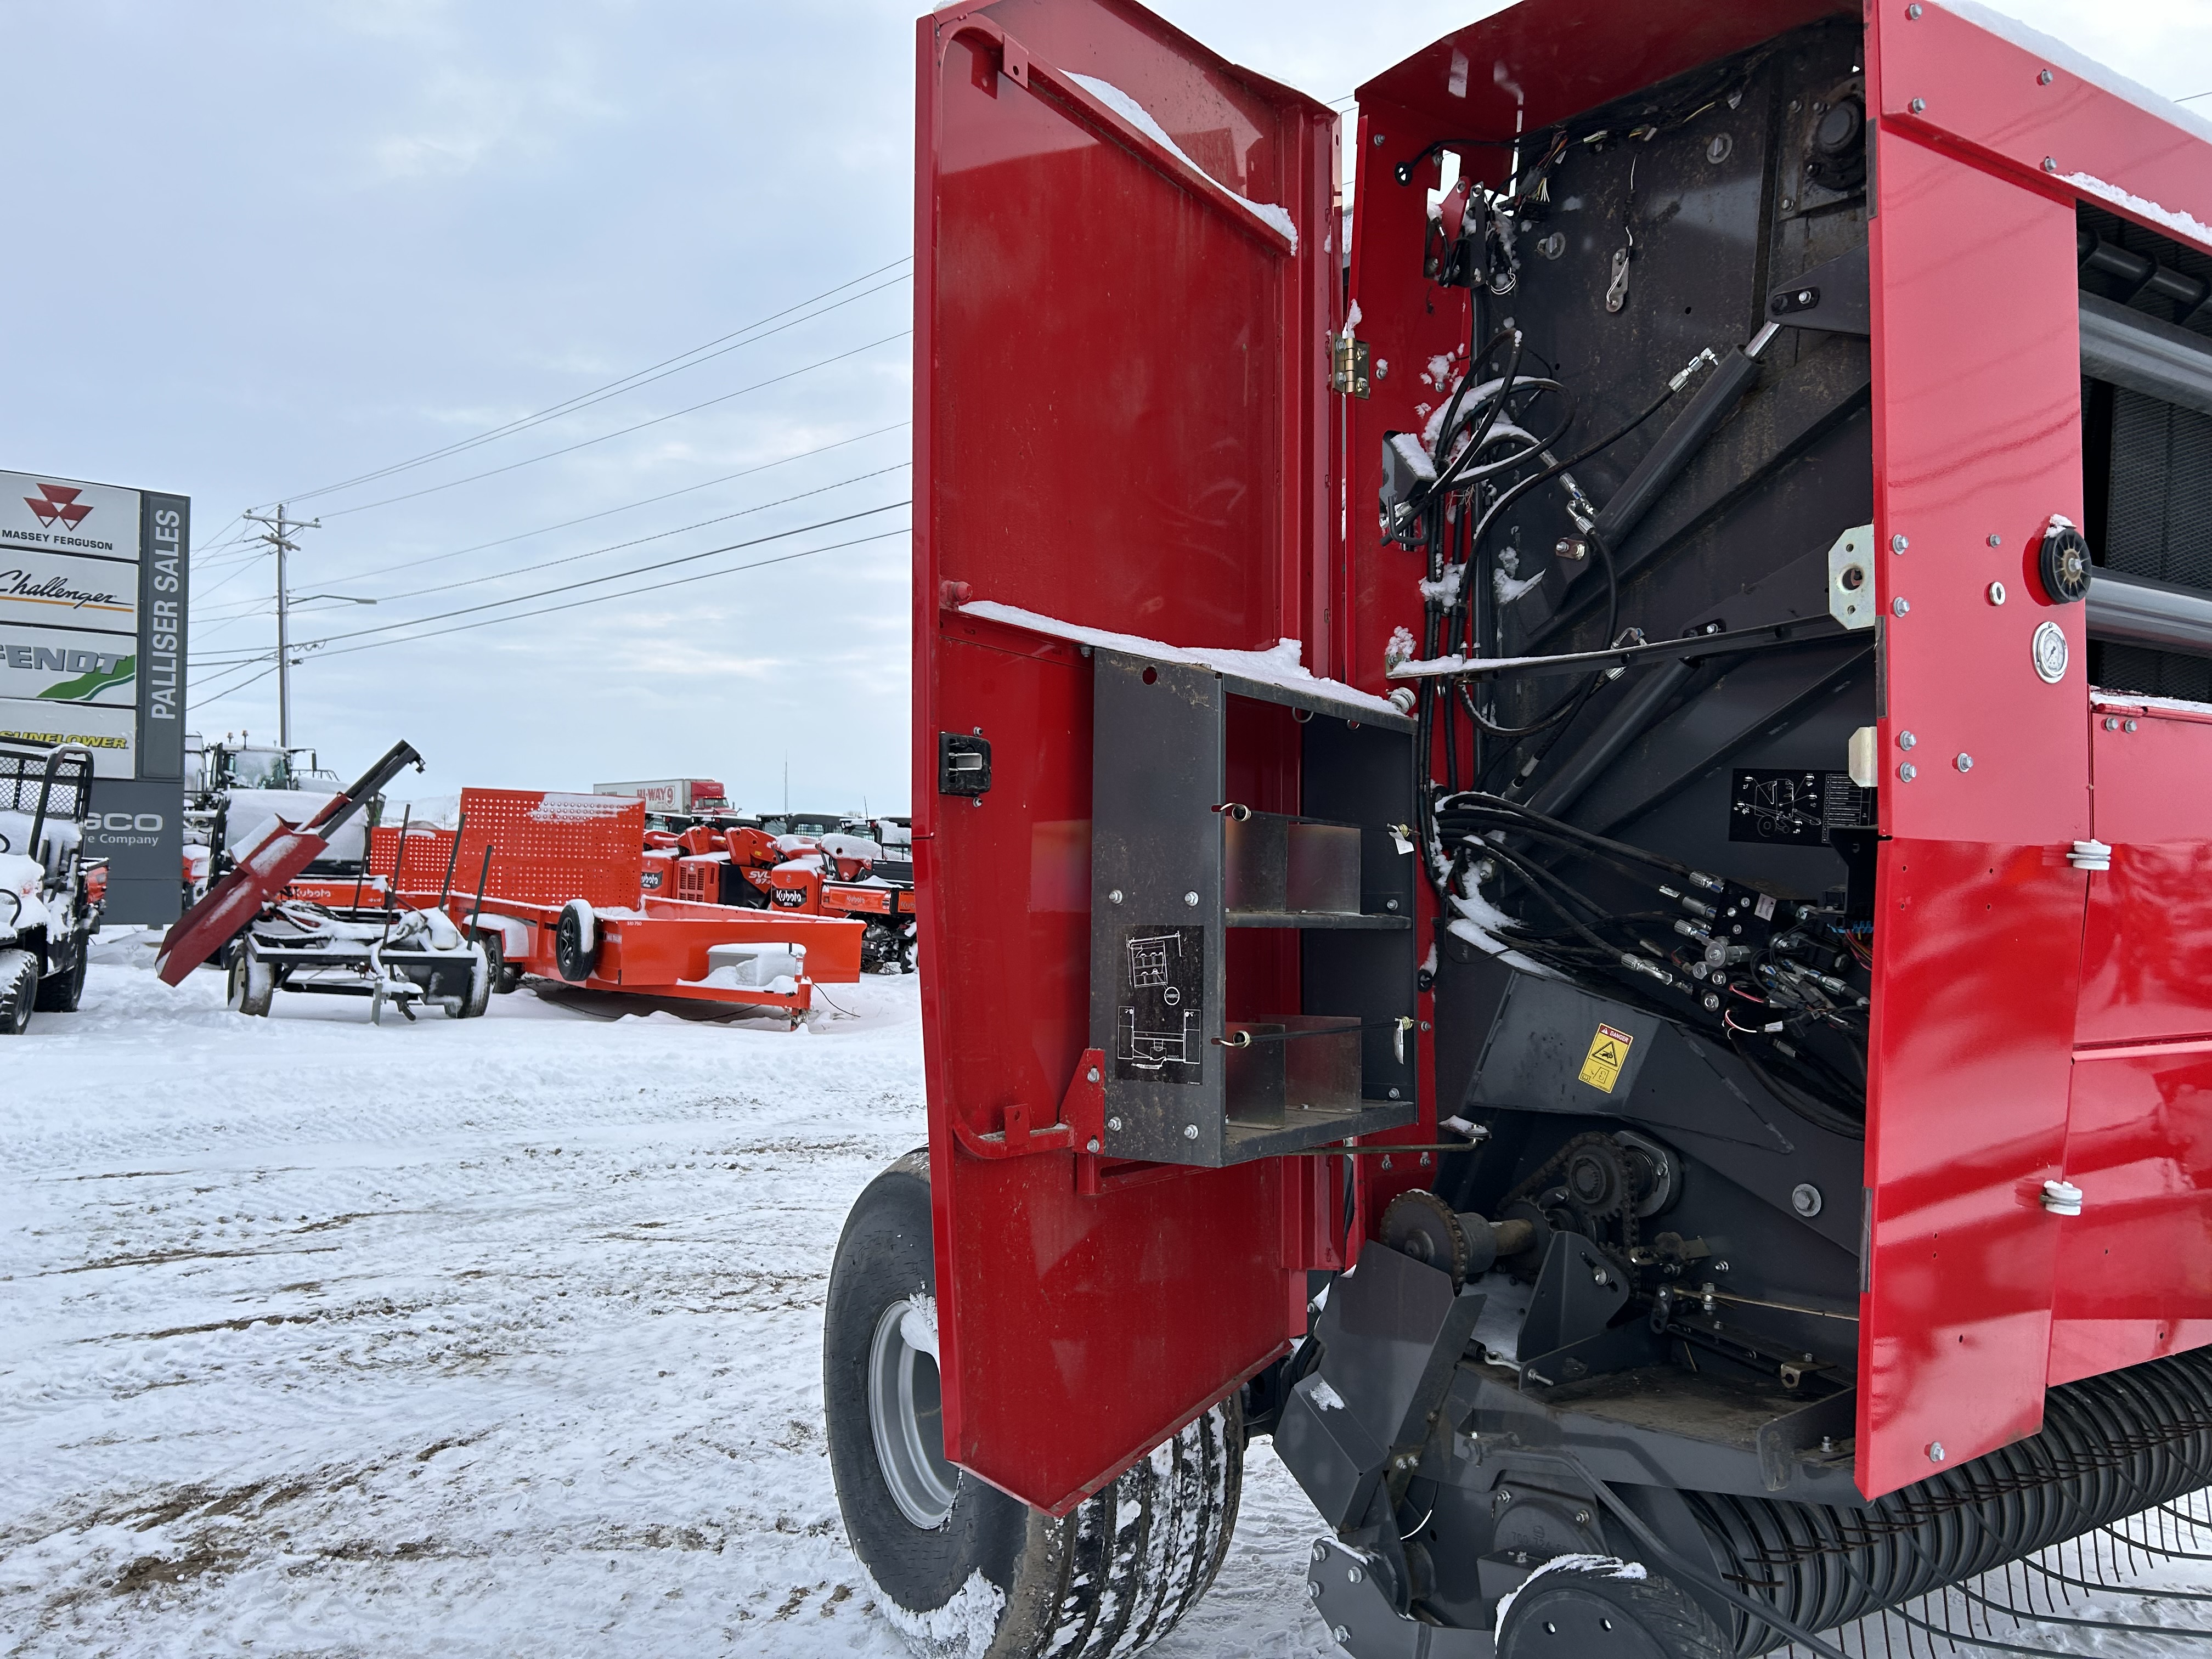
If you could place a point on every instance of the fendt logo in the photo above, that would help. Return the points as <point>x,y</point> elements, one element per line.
<point>57,504</point>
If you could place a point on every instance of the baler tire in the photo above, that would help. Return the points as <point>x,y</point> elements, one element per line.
<point>1113,1575</point>
<point>19,992</point>
<point>1579,1613</point>
<point>251,985</point>
<point>576,942</point>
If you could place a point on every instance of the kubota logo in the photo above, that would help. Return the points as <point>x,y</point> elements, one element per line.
<point>57,504</point>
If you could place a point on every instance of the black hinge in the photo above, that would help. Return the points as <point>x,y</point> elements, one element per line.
<point>964,764</point>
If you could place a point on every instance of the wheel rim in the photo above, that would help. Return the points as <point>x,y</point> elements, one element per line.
<point>906,1415</point>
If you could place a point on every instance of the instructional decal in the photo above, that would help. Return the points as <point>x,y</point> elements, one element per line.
<point>1159,1018</point>
<point>1608,1053</point>
<point>1795,809</point>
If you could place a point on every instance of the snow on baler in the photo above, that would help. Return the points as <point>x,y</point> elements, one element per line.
<point>1531,919</point>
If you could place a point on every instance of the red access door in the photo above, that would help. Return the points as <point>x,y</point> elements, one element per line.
<point>1126,256</point>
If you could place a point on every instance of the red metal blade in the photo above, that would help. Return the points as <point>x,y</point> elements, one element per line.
<point>235,900</point>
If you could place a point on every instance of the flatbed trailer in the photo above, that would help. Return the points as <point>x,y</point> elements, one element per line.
<point>564,898</point>
<point>1565,818</point>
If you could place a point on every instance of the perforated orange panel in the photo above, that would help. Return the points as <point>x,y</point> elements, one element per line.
<point>549,847</point>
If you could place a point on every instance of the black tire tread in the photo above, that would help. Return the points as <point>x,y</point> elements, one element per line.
<point>61,993</point>
<point>18,997</point>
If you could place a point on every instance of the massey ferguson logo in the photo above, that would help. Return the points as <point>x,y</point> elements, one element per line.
<point>57,504</point>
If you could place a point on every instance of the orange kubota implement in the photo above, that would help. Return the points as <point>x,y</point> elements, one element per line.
<point>569,894</point>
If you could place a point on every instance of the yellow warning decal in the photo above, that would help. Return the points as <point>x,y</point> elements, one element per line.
<point>1608,1053</point>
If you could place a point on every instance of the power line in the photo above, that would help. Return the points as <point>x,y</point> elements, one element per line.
<point>622,432</point>
<point>676,582</point>
<point>637,541</point>
<point>566,524</point>
<point>619,575</point>
<point>627,382</point>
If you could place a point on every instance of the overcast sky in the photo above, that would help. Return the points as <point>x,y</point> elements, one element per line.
<point>259,249</point>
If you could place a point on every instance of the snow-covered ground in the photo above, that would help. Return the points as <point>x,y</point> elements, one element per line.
<point>487,1337</point>
<point>459,1338</point>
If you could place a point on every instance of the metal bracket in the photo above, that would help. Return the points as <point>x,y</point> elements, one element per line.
<point>1830,298</point>
<point>1082,1119</point>
<point>1352,1601</point>
<point>1347,365</point>
<point>1850,578</point>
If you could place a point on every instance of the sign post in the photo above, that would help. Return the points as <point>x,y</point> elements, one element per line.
<point>94,586</point>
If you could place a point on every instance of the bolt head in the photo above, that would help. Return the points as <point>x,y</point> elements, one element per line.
<point>2051,164</point>
<point>1805,1198</point>
<point>1190,1132</point>
<point>1598,1277</point>
<point>1114,897</point>
<point>1091,1145</point>
<point>1905,740</point>
<point>2044,79</point>
<point>1313,1588</point>
<point>1900,605</point>
<point>1996,541</point>
<point>2111,723</point>
<point>1321,1552</point>
<point>1997,593</point>
<point>1114,1123</point>
<point>1918,104</point>
<point>2130,726</point>
<point>1908,772</point>
<point>1912,14</point>
<point>1965,763</point>
<point>1935,1453</point>
<point>1897,544</point>
<point>1190,898</point>
<point>1091,1076</point>
<point>1352,1575</point>
<point>1340,1633</point>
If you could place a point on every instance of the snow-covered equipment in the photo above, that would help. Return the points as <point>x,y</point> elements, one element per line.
<point>257,878</point>
<point>572,894</point>
<point>50,894</point>
<point>392,954</point>
<point>1577,806</point>
<point>236,790</point>
<point>828,873</point>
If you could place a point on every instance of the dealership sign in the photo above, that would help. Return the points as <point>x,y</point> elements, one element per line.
<point>92,593</point>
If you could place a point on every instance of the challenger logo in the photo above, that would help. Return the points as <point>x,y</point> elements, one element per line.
<point>57,504</point>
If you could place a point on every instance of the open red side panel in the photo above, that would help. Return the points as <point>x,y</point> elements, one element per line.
<point>1126,252</point>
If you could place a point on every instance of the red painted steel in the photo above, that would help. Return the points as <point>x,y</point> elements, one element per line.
<point>1121,410</point>
<point>1977,434</point>
<point>1987,96</point>
<point>2147,958</point>
<point>2135,1268</point>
